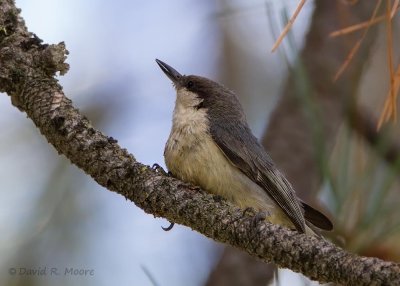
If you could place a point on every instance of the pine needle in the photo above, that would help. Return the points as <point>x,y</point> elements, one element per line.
<point>395,8</point>
<point>389,38</point>
<point>387,112</point>
<point>356,27</point>
<point>288,26</point>
<point>390,108</point>
<point>365,24</point>
<point>358,44</point>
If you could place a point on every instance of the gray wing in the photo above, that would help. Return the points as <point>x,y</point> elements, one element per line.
<point>243,150</point>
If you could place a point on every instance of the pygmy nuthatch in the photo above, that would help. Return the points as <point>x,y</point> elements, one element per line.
<point>212,146</point>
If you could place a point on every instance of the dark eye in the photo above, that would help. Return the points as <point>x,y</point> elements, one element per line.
<point>190,84</point>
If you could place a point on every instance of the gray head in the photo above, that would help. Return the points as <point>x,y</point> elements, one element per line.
<point>201,93</point>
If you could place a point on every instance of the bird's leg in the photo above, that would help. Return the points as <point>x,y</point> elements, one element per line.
<point>260,216</point>
<point>250,211</point>
<point>257,216</point>
<point>169,227</point>
<point>159,169</point>
<point>218,198</point>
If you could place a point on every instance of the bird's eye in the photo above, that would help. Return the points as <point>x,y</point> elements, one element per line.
<point>190,84</point>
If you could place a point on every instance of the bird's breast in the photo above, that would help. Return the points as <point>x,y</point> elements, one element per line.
<point>192,156</point>
<point>188,135</point>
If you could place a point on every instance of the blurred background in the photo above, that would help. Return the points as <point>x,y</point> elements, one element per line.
<point>321,133</point>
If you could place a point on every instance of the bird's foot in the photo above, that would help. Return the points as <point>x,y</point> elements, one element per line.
<point>169,227</point>
<point>156,167</point>
<point>249,211</point>
<point>257,216</point>
<point>194,188</point>
<point>218,198</point>
<point>160,170</point>
<point>260,216</point>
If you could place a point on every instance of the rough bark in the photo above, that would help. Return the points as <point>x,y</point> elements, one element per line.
<point>27,70</point>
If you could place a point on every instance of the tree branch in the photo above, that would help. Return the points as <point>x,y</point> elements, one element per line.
<point>27,70</point>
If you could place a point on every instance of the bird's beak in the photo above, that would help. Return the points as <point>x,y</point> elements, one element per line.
<point>169,71</point>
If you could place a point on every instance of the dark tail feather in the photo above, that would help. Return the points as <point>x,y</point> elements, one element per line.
<point>316,218</point>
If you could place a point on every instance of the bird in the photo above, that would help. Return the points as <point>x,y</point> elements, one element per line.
<point>212,146</point>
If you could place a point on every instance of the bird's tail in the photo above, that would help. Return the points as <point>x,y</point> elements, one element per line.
<point>316,219</point>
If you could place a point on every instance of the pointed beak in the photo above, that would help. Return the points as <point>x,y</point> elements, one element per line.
<point>169,71</point>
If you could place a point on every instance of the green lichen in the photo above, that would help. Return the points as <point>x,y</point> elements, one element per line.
<point>3,30</point>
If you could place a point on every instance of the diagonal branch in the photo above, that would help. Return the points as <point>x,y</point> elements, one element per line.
<point>27,70</point>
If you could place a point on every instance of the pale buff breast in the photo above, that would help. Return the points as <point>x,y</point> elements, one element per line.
<point>191,155</point>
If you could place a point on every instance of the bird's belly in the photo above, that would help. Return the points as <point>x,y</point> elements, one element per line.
<point>202,163</point>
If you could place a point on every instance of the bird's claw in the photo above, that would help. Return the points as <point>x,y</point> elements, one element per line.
<point>194,188</point>
<point>169,227</point>
<point>260,216</point>
<point>256,216</point>
<point>218,198</point>
<point>159,169</point>
<point>249,211</point>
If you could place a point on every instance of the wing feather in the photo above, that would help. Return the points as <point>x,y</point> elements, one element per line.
<point>243,150</point>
